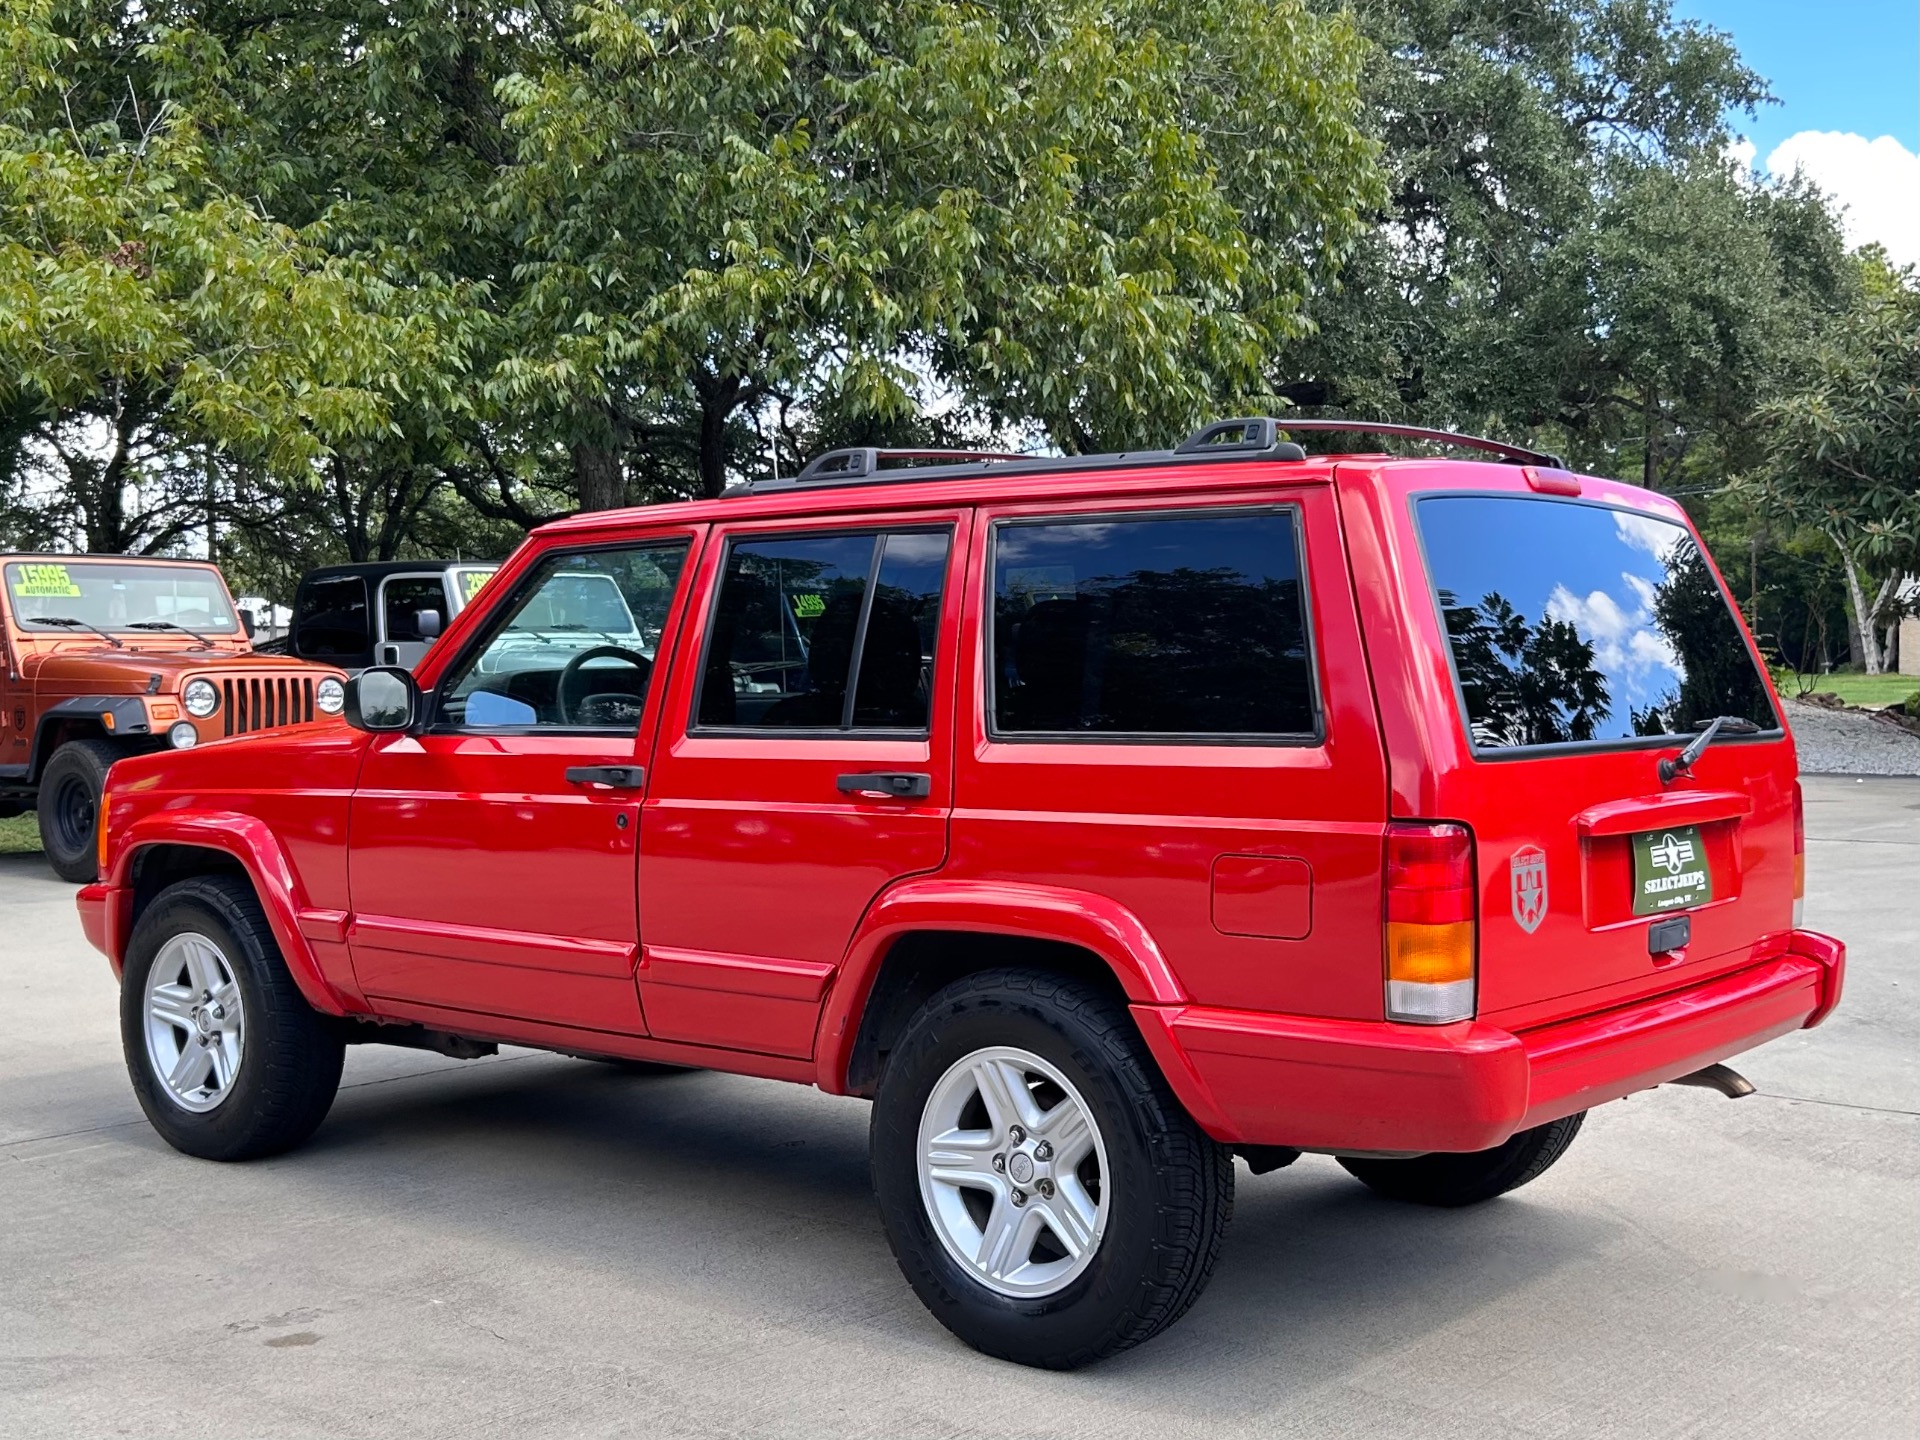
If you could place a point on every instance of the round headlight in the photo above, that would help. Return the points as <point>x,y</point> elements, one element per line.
<point>330,696</point>
<point>201,698</point>
<point>183,736</point>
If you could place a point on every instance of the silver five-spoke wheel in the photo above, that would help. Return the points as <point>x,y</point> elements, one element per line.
<point>196,1025</point>
<point>1013,1172</point>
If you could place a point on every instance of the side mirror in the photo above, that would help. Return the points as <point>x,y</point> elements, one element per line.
<point>382,699</point>
<point>246,623</point>
<point>427,624</point>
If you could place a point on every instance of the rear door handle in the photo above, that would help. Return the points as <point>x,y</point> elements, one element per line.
<point>614,777</point>
<point>894,785</point>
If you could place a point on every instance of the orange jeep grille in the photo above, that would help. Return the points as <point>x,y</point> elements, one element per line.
<point>262,702</point>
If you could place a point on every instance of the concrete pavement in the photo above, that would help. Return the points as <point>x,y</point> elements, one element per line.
<point>531,1245</point>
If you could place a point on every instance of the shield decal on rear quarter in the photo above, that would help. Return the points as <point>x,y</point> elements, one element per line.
<point>1528,869</point>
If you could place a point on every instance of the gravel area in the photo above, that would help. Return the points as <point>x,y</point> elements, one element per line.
<point>1839,742</point>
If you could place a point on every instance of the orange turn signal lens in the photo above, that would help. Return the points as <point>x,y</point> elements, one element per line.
<point>1430,954</point>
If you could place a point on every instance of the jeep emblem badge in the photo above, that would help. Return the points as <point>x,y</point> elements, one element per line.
<point>1528,869</point>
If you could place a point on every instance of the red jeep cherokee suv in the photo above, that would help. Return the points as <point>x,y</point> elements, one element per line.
<point>1099,818</point>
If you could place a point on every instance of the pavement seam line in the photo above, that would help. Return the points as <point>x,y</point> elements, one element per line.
<point>356,1085</point>
<point>1838,1104</point>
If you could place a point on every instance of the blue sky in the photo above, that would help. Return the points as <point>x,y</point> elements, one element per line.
<point>1847,75</point>
<point>1845,65</point>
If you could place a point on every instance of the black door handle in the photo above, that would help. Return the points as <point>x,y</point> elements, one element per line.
<point>899,785</point>
<point>614,777</point>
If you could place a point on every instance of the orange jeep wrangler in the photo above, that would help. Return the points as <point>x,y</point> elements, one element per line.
<point>103,656</point>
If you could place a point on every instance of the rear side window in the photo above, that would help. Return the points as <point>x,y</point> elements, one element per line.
<point>332,622</point>
<point>1170,625</point>
<point>825,632</point>
<point>1572,623</point>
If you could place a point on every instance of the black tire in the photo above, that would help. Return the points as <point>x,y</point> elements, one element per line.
<point>1169,1187</point>
<point>1453,1180</point>
<point>69,807</point>
<point>290,1057</point>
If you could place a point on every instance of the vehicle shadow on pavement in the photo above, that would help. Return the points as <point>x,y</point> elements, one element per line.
<point>767,1186</point>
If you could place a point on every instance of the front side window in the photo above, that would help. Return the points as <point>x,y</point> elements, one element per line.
<point>404,598</point>
<point>54,595</point>
<point>1572,623</point>
<point>825,632</point>
<point>1167,625</point>
<point>576,647</point>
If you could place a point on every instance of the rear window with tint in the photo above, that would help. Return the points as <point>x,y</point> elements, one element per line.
<point>1574,623</point>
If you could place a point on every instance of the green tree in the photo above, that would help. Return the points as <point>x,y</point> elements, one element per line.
<point>150,317</point>
<point>1844,451</point>
<point>1565,257</point>
<point>1095,218</point>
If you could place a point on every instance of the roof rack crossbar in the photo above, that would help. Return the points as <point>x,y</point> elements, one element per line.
<point>1412,432</point>
<point>854,461</point>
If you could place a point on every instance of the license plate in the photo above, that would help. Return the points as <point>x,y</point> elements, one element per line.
<point>1670,870</point>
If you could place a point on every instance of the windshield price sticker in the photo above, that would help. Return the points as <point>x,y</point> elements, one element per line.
<point>472,580</point>
<point>1670,870</point>
<point>34,582</point>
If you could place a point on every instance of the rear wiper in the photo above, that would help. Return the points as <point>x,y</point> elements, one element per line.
<point>169,625</point>
<point>67,621</point>
<point>1673,767</point>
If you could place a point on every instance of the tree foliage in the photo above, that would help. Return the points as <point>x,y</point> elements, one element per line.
<point>1844,450</point>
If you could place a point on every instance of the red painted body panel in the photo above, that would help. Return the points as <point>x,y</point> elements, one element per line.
<point>741,915</point>
<point>1142,824</point>
<point>749,849</point>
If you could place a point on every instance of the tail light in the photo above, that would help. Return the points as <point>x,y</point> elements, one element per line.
<point>1430,929</point>
<point>1799,854</point>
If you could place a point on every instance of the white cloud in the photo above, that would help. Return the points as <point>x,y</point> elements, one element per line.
<point>1875,184</point>
<point>1626,647</point>
<point>1659,538</point>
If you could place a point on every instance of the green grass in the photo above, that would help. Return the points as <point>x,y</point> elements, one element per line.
<point>20,836</point>
<point>1868,690</point>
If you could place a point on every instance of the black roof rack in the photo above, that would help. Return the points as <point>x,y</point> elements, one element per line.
<point>1420,432</point>
<point>1255,437</point>
<point>856,461</point>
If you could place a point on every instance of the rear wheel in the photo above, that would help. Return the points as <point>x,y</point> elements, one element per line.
<point>69,807</point>
<point>1044,1192</point>
<point>1451,1181</point>
<point>227,1058</point>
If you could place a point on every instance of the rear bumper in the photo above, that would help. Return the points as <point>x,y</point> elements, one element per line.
<point>1319,1084</point>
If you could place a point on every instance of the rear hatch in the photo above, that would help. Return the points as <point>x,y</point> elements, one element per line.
<point>1588,642</point>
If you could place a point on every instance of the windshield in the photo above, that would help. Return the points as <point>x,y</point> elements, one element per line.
<point>119,595</point>
<point>1573,623</point>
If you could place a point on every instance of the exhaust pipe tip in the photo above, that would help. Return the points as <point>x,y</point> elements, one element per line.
<point>1724,1078</point>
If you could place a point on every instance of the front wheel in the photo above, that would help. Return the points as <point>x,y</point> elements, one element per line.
<point>69,807</point>
<point>227,1059</point>
<point>1451,1181</point>
<point>1044,1192</point>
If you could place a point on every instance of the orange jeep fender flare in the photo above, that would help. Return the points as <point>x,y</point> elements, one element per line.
<point>251,841</point>
<point>1096,923</point>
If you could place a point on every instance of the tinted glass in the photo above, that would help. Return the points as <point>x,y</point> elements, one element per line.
<point>404,597</point>
<point>1573,623</point>
<point>896,657</point>
<point>1189,625</point>
<point>118,595</point>
<point>332,620</point>
<point>577,647</point>
<point>781,649</point>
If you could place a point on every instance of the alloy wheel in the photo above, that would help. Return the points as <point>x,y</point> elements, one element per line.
<point>196,1023</point>
<point>1013,1172</point>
